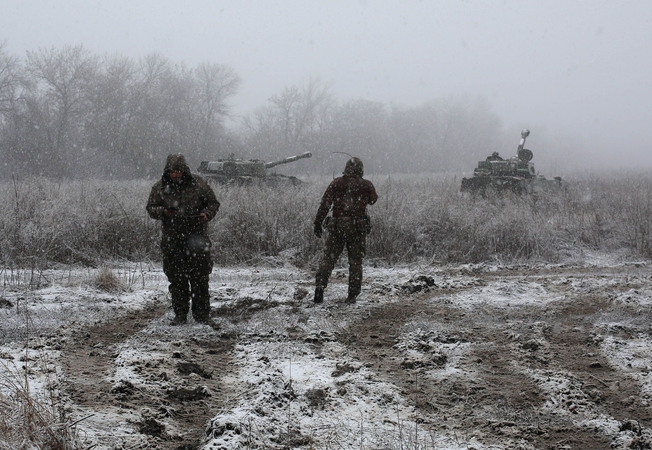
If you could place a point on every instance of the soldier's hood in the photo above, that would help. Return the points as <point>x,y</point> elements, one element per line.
<point>176,161</point>
<point>354,168</point>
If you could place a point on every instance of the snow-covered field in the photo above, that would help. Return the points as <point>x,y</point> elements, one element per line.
<point>482,357</point>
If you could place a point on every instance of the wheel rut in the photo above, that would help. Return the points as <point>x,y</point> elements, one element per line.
<point>490,397</point>
<point>184,386</point>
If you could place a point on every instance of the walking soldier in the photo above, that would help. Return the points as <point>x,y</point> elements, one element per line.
<point>348,227</point>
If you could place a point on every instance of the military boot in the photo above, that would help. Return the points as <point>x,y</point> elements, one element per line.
<point>353,295</point>
<point>208,321</point>
<point>319,295</point>
<point>178,320</point>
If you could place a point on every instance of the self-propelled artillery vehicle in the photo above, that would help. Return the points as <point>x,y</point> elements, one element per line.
<point>515,174</point>
<point>248,171</point>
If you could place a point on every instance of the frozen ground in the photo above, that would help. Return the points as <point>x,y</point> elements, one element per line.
<point>465,357</point>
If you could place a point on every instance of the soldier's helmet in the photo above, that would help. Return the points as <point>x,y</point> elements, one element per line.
<point>353,168</point>
<point>494,154</point>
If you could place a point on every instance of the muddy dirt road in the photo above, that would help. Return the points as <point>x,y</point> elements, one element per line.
<point>467,357</point>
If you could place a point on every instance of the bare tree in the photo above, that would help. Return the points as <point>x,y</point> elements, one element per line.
<point>286,106</point>
<point>65,110</point>
<point>9,82</point>
<point>110,117</point>
<point>295,121</point>
<point>57,97</point>
<point>215,84</point>
<point>360,128</point>
<point>148,125</point>
<point>302,110</point>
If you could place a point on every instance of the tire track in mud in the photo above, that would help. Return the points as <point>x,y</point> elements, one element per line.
<point>169,419</point>
<point>576,350</point>
<point>496,403</point>
<point>88,358</point>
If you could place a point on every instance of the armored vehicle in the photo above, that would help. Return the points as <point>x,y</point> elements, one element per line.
<point>515,174</point>
<point>247,171</point>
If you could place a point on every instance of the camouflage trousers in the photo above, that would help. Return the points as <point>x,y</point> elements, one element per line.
<point>352,234</point>
<point>188,273</point>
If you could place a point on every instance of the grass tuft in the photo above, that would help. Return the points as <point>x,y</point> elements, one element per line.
<point>30,420</point>
<point>106,280</point>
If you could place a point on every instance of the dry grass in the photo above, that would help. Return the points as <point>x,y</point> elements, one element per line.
<point>90,222</point>
<point>32,420</point>
<point>32,413</point>
<point>106,280</point>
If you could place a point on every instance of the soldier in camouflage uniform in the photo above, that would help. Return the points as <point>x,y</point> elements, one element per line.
<point>184,203</point>
<point>349,225</point>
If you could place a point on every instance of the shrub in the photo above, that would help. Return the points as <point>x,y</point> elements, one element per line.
<point>416,218</point>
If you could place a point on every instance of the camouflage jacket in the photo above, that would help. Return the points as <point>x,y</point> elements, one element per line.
<point>191,197</point>
<point>349,197</point>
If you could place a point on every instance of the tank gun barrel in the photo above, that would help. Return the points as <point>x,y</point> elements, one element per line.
<point>524,134</point>
<point>287,160</point>
<point>523,154</point>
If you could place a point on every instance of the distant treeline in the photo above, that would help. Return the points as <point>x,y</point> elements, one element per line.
<point>67,113</point>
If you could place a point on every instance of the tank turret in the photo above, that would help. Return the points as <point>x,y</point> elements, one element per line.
<point>245,171</point>
<point>515,174</point>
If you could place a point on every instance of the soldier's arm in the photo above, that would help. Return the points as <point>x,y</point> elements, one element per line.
<point>326,203</point>
<point>155,206</point>
<point>211,205</point>
<point>372,195</point>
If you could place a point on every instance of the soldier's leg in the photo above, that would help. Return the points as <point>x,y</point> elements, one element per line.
<point>332,251</point>
<point>356,249</point>
<point>173,267</point>
<point>201,305</point>
<point>202,265</point>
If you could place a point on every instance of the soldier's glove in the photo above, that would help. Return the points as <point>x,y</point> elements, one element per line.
<point>318,230</point>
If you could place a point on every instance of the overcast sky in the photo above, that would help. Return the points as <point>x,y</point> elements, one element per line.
<point>581,66</point>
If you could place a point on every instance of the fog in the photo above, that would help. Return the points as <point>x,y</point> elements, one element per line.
<point>575,73</point>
